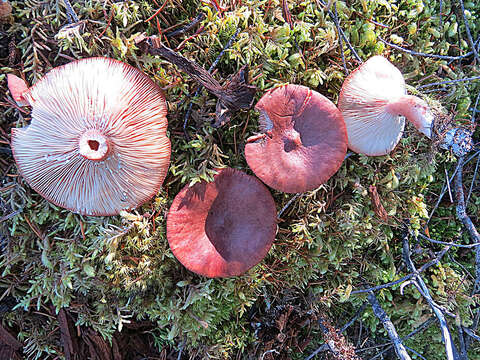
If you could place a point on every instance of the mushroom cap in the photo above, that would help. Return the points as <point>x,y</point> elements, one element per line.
<point>224,227</point>
<point>91,105</point>
<point>304,141</point>
<point>363,100</point>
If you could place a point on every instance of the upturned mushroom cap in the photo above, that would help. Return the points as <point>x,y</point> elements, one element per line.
<point>304,139</point>
<point>97,141</point>
<point>224,227</point>
<point>373,102</point>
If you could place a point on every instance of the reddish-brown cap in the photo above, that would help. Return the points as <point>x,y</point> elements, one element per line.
<point>224,227</point>
<point>97,141</point>
<point>304,139</point>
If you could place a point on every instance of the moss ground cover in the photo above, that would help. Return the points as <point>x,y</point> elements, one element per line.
<point>114,273</point>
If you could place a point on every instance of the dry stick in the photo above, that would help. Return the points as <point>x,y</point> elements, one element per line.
<point>72,17</point>
<point>433,262</point>
<point>461,340</point>
<point>416,53</point>
<point>471,334</point>
<point>451,351</point>
<point>473,180</point>
<point>448,185</point>
<point>449,82</point>
<point>475,108</point>
<point>342,33</point>
<point>423,326</point>
<point>200,17</point>
<point>469,34</point>
<point>467,246</point>
<point>337,24</point>
<point>467,222</point>
<point>210,69</point>
<point>444,189</point>
<point>289,202</point>
<point>389,327</point>
<point>235,95</point>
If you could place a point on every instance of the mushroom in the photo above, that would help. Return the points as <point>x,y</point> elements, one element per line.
<point>224,227</point>
<point>303,140</point>
<point>373,102</point>
<point>97,141</point>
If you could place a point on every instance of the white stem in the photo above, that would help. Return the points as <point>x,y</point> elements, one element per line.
<point>415,110</point>
<point>93,145</point>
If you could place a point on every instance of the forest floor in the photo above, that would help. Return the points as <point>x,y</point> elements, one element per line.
<point>380,262</point>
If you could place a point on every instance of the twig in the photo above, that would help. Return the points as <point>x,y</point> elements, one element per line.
<point>416,53</point>
<point>444,189</point>
<point>461,340</point>
<point>469,34</point>
<point>157,12</point>
<point>423,326</point>
<point>210,69</point>
<point>473,180</point>
<point>475,108</point>
<point>471,334</point>
<point>440,15</point>
<point>389,327</point>
<point>349,45</point>
<point>355,317</point>
<point>289,202</point>
<point>72,17</point>
<point>200,17</point>
<point>451,351</point>
<point>448,185</point>
<point>433,262</point>
<point>415,352</point>
<point>383,286</point>
<point>465,246</point>
<point>449,82</point>
<point>467,222</point>
<point>236,94</point>
<point>340,41</point>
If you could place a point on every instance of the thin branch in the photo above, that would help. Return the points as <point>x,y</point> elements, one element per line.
<point>289,202</point>
<point>475,108</point>
<point>465,246</point>
<point>355,317</point>
<point>200,17</point>
<point>451,351</point>
<point>335,21</point>
<point>72,17</point>
<point>469,34</point>
<point>471,334</point>
<point>340,41</point>
<point>473,180</point>
<point>416,53</point>
<point>210,69</point>
<point>433,262</point>
<point>449,82</point>
<point>236,94</point>
<point>467,222</point>
<point>389,327</point>
<point>423,326</point>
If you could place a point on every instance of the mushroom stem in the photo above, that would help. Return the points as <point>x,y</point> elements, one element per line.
<point>93,145</point>
<point>415,110</point>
